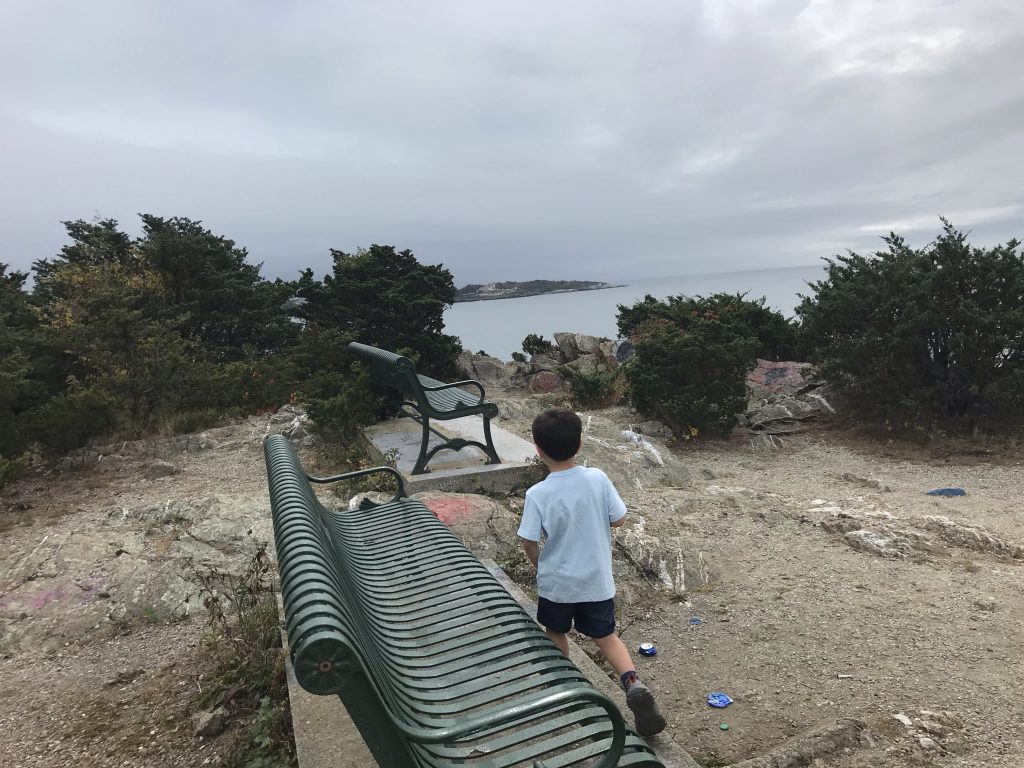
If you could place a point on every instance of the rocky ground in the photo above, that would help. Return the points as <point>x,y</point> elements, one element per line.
<point>808,576</point>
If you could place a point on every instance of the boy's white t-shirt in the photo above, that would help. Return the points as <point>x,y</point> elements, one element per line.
<point>573,509</point>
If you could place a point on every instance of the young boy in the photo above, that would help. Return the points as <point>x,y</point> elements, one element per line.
<point>575,508</point>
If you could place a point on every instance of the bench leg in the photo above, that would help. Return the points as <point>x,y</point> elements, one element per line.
<point>424,457</point>
<point>492,455</point>
<point>456,444</point>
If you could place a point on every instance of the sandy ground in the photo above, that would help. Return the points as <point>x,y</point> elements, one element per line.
<point>801,625</point>
<point>804,618</point>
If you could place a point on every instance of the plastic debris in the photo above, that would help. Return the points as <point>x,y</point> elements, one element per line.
<point>719,700</point>
<point>723,726</point>
<point>695,620</point>
<point>947,492</point>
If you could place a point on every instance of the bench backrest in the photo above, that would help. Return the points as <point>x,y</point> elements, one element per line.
<point>330,647</point>
<point>390,369</point>
<point>387,608</point>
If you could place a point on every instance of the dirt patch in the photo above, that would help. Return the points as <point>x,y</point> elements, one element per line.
<point>101,658</point>
<point>802,625</point>
<point>766,598</point>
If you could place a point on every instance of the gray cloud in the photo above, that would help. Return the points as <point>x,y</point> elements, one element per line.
<point>513,141</point>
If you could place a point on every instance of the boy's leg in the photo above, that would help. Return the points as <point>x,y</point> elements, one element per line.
<point>615,651</point>
<point>561,639</point>
<point>556,618</point>
<point>597,620</point>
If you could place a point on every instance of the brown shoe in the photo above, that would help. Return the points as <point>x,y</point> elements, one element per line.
<point>648,717</point>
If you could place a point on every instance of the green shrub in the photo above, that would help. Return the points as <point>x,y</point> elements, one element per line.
<point>243,642</point>
<point>921,338</point>
<point>536,345</point>
<point>689,369</point>
<point>338,419</point>
<point>775,335</point>
<point>7,467</point>
<point>67,421</point>
<point>519,357</point>
<point>599,388</point>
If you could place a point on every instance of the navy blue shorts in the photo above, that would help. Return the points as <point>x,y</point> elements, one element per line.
<point>591,619</point>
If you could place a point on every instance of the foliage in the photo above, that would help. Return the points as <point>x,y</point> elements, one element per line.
<point>16,384</point>
<point>334,387</point>
<point>692,357</point>
<point>921,338</point>
<point>244,642</point>
<point>67,420</point>
<point>386,298</point>
<point>776,336</point>
<point>534,344</point>
<point>519,357</point>
<point>174,329</point>
<point>212,294</point>
<point>598,388</point>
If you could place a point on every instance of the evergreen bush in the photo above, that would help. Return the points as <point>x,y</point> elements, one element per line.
<point>693,354</point>
<point>918,339</point>
<point>692,378</point>
<point>599,388</point>
<point>537,345</point>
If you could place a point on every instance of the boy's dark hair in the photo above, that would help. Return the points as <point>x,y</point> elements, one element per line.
<point>557,432</point>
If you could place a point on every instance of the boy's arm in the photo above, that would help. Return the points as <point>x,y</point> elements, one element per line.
<point>616,507</point>
<point>532,550</point>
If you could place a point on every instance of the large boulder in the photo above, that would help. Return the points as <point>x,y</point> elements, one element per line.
<point>587,364</point>
<point>785,377</point>
<point>572,345</point>
<point>632,460</point>
<point>547,362</point>
<point>622,350</point>
<point>490,371</point>
<point>486,527</point>
<point>544,382</point>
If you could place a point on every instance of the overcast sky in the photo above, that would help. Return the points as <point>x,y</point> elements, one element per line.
<point>584,139</point>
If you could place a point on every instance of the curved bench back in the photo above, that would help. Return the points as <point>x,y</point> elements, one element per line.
<point>387,608</point>
<point>389,369</point>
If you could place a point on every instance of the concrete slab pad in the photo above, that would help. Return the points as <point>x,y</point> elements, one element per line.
<point>398,441</point>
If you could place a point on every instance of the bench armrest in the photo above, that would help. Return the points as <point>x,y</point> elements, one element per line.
<point>467,382</point>
<point>362,473</point>
<point>547,701</point>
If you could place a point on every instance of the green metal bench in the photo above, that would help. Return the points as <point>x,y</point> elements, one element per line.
<point>434,661</point>
<point>431,399</point>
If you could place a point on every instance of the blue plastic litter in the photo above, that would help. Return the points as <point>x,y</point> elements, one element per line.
<point>947,492</point>
<point>696,620</point>
<point>718,700</point>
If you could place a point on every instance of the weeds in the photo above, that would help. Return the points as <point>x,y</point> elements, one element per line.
<point>248,676</point>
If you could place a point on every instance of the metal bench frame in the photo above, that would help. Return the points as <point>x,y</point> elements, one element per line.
<point>430,399</point>
<point>435,662</point>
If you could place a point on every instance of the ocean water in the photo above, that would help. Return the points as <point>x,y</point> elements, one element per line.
<point>498,327</point>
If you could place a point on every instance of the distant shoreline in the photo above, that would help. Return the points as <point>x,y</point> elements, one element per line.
<point>520,293</point>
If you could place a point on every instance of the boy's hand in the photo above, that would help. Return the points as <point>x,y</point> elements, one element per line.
<point>532,550</point>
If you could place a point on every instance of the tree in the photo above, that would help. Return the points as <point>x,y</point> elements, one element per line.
<point>534,344</point>
<point>110,318</point>
<point>93,244</point>
<point>690,373</point>
<point>386,298</point>
<point>16,386</point>
<point>216,297</point>
<point>923,337</point>
<point>776,336</point>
